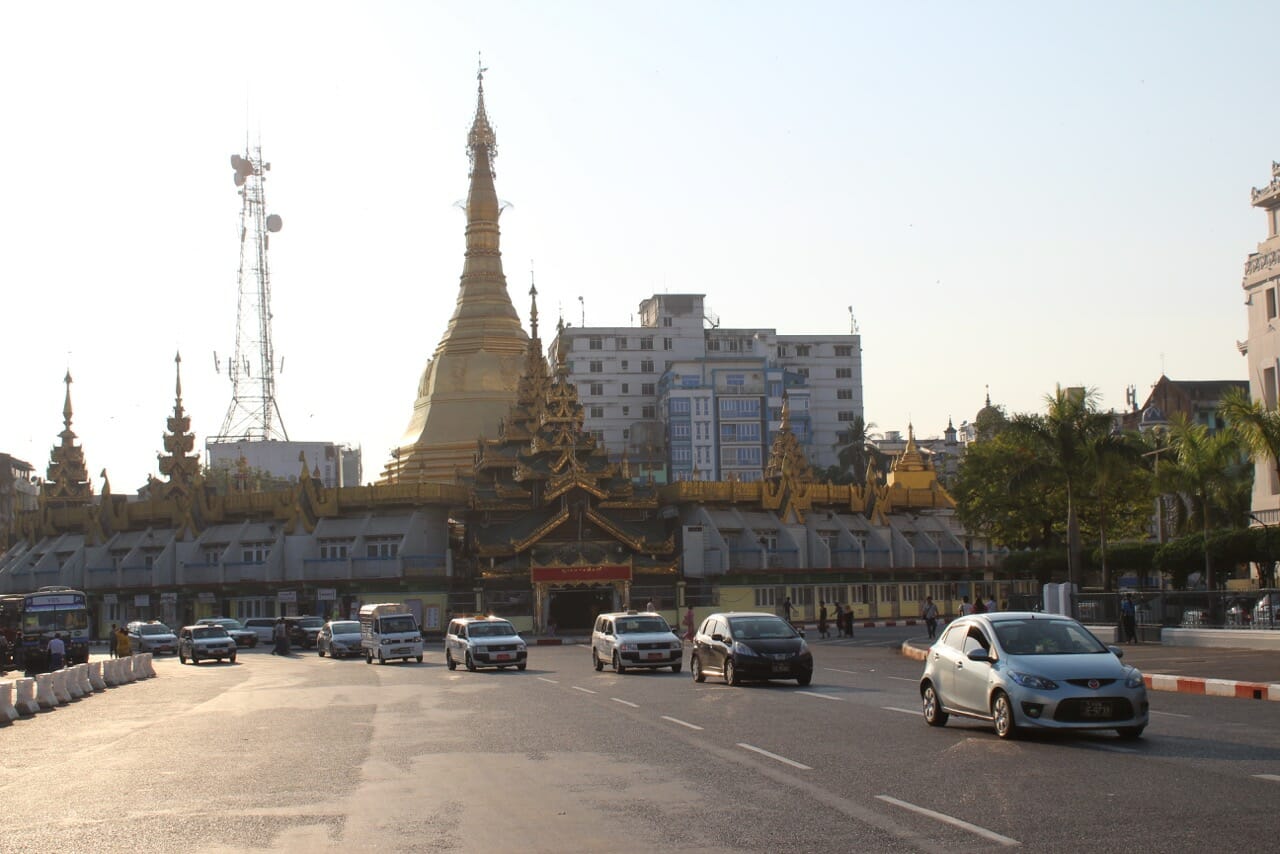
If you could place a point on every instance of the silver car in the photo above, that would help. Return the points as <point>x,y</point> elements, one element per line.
<point>635,639</point>
<point>339,638</point>
<point>1025,670</point>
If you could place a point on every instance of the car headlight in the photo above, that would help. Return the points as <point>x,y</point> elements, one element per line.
<point>627,646</point>
<point>677,644</point>
<point>1029,680</point>
<point>520,647</point>
<point>740,648</point>
<point>1133,678</point>
<point>804,647</point>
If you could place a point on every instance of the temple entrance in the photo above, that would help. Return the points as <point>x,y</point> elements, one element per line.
<point>576,610</point>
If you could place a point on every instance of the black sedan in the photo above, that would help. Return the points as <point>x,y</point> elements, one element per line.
<point>741,646</point>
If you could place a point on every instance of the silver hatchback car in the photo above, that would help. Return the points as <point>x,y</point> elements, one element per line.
<point>1031,670</point>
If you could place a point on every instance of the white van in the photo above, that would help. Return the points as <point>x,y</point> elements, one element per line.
<point>387,631</point>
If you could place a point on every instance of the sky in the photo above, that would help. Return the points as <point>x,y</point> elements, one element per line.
<point>1009,196</point>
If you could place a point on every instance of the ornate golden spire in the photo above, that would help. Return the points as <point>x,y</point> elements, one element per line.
<point>179,442</point>
<point>471,380</point>
<point>67,478</point>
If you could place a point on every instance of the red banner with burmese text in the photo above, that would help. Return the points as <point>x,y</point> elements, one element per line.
<point>594,572</point>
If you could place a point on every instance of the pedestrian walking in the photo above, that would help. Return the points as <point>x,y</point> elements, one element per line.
<point>111,642</point>
<point>57,652</point>
<point>991,605</point>
<point>689,620</point>
<point>930,614</point>
<point>966,607</point>
<point>822,619</point>
<point>123,648</point>
<point>848,618</point>
<point>786,609</point>
<point>281,634</point>
<point>1129,619</point>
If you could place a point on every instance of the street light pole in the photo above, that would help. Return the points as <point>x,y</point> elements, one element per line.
<point>1266,538</point>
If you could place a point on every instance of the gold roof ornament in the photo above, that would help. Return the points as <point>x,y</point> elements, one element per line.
<point>179,464</point>
<point>67,477</point>
<point>913,483</point>
<point>471,380</point>
<point>787,475</point>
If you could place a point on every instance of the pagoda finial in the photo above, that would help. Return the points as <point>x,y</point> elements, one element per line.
<point>481,136</point>
<point>177,371</point>
<point>66,404</point>
<point>533,304</point>
<point>988,387</point>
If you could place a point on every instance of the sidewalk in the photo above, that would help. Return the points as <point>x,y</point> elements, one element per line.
<point>1242,673</point>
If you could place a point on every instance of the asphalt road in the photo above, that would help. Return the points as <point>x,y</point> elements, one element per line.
<point>309,754</point>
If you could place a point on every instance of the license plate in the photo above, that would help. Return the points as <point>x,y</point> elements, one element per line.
<point>778,667</point>
<point>503,656</point>
<point>657,655</point>
<point>1097,709</point>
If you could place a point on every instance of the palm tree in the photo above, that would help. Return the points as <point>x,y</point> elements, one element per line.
<point>1257,428</point>
<point>853,451</point>
<point>1201,471</point>
<point>1062,438</point>
<point>1110,458</point>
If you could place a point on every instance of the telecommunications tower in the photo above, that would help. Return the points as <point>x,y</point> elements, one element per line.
<point>253,414</point>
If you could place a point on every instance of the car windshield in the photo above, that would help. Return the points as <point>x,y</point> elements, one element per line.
<point>346,628</point>
<point>311,622</point>
<point>399,623</point>
<point>491,630</point>
<point>154,630</point>
<point>642,625</point>
<point>1046,637</point>
<point>208,632</point>
<point>750,628</point>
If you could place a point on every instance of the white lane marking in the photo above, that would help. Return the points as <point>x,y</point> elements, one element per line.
<point>904,711</point>
<point>951,820</point>
<point>819,696</point>
<point>624,702</point>
<point>545,679</point>
<point>903,678</point>
<point>1169,714</point>
<point>1275,778</point>
<point>783,759</point>
<point>682,723</point>
<point>583,690</point>
<point>838,670</point>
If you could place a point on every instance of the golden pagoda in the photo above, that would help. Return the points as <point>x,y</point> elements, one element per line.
<point>470,382</point>
<point>67,478</point>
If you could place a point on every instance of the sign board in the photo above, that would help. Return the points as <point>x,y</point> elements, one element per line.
<point>432,617</point>
<point>169,597</point>
<point>327,594</point>
<point>595,572</point>
<point>142,600</point>
<point>287,596</point>
<point>108,598</point>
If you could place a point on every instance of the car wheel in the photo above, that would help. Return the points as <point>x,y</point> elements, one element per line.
<point>418,658</point>
<point>194,660</point>
<point>731,673</point>
<point>368,657</point>
<point>1130,732</point>
<point>1002,715</point>
<point>381,660</point>
<point>932,706</point>
<point>182,659</point>
<point>595,661</point>
<point>320,651</point>
<point>232,659</point>
<point>618,666</point>
<point>448,660</point>
<point>675,668</point>
<point>696,666</point>
<point>804,680</point>
<point>471,665</point>
<point>521,666</point>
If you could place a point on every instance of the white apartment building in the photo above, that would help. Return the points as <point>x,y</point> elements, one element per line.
<point>1261,285</point>
<point>331,464</point>
<point>685,399</point>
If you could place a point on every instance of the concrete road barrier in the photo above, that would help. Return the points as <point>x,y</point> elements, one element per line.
<point>60,692</point>
<point>110,672</point>
<point>44,691</point>
<point>131,668</point>
<point>8,712</point>
<point>82,674</point>
<point>95,676</point>
<point>25,700</point>
<point>143,664</point>
<point>71,680</point>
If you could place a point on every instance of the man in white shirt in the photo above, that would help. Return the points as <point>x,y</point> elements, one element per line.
<point>57,652</point>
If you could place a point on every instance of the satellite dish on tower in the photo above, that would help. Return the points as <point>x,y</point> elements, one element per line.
<point>274,223</point>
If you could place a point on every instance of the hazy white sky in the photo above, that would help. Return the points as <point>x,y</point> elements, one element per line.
<point>1007,194</point>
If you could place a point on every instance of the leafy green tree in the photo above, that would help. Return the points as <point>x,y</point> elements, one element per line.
<point>1258,429</point>
<point>993,495</point>
<point>1062,439</point>
<point>1114,466</point>
<point>854,453</point>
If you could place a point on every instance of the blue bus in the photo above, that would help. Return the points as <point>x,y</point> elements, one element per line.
<point>54,611</point>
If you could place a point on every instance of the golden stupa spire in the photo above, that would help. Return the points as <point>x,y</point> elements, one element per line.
<point>471,380</point>
<point>67,477</point>
<point>179,465</point>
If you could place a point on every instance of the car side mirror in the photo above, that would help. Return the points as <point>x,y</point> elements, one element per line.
<point>800,632</point>
<point>980,655</point>
<point>1119,653</point>
<point>719,638</point>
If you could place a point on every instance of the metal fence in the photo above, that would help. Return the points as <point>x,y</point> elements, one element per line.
<point>1216,609</point>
